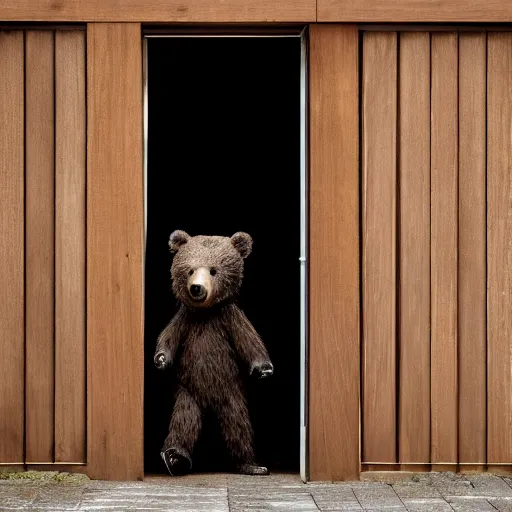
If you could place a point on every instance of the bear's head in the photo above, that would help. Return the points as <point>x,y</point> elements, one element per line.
<point>207,270</point>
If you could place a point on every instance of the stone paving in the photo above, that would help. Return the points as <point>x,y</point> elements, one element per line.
<point>235,493</point>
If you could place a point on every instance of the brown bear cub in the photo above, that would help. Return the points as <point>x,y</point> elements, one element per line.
<point>207,340</point>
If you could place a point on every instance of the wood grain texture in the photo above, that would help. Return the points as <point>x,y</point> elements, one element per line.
<point>472,249</point>
<point>114,251</point>
<point>414,281</point>
<point>334,254</point>
<point>444,220</point>
<point>501,470</point>
<point>70,161</point>
<point>159,10</point>
<point>12,338</point>
<point>379,245</point>
<point>499,247</point>
<point>39,243</point>
<point>397,11</point>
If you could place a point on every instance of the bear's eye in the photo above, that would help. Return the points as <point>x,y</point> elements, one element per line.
<point>213,271</point>
<point>190,272</point>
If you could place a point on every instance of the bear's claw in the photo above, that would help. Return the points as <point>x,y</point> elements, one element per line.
<point>160,360</point>
<point>177,463</point>
<point>251,469</point>
<point>262,370</point>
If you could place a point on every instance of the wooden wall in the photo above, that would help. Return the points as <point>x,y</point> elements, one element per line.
<point>42,248</point>
<point>71,283</point>
<point>423,217</point>
<point>436,266</point>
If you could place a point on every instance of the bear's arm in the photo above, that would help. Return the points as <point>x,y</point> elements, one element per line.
<point>169,340</point>
<point>248,343</point>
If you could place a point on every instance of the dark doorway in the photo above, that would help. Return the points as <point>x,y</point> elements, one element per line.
<point>223,155</point>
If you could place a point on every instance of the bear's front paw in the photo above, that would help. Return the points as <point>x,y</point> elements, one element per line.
<point>262,370</point>
<point>162,360</point>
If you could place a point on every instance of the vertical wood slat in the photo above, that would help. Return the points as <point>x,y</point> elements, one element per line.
<point>444,219</point>
<point>414,258</point>
<point>39,240</point>
<point>334,254</point>
<point>114,251</point>
<point>499,247</point>
<point>70,348</point>
<point>379,245</point>
<point>11,247</point>
<point>472,250</point>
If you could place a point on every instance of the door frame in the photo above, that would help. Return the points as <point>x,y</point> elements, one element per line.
<point>115,247</point>
<point>248,32</point>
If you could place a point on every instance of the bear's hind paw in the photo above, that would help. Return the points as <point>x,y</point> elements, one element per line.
<point>251,469</point>
<point>177,463</point>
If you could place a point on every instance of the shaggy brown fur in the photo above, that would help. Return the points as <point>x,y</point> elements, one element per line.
<point>206,339</point>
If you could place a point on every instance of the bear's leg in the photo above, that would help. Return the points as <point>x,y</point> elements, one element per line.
<point>183,433</point>
<point>237,430</point>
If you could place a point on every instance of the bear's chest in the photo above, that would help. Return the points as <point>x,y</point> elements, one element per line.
<point>208,362</point>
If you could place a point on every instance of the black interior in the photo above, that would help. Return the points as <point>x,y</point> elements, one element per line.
<point>224,156</point>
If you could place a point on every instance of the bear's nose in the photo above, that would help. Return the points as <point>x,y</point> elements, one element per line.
<point>198,291</point>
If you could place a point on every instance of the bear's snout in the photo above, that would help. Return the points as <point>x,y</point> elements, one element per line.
<point>200,285</point>
<point>198,291</point>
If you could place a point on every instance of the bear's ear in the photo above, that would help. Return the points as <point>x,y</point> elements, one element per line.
<point>242,242</point>
<point>177,239</point>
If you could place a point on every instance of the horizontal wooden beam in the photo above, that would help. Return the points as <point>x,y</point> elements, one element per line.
<point>159,11</point>
<point>415,11</point>
<point>257,11</point>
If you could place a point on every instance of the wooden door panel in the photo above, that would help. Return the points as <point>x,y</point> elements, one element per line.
<point>472,249</point>
<point>70,313</point>
<point>444,238</point>
<point>379,196</point>
<point>499,248</point>
<point>414,249</point>
<point>12,293</point>
<point>39,241</point>
<point>452,263</point>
